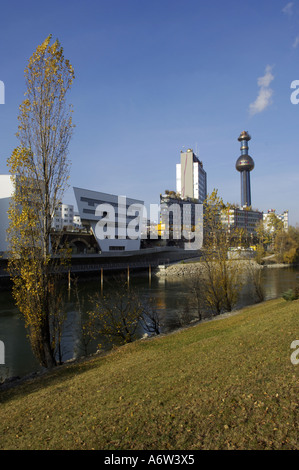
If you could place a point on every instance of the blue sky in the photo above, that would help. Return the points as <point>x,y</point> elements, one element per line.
<point>154,77</point>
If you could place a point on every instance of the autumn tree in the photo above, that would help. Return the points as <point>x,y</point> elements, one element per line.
<point>268,229</point>
<point>284,243</point>
<point>40,168</point>
<point>273,223</point>
<point>286,246</point>
<point>222,277</point>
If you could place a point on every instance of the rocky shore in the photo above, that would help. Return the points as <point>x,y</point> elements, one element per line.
<point>190,269</point>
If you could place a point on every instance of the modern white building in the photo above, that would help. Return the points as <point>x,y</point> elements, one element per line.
<point>6,192</point>
<point>284,217</point>
<point>77,221</point>
<point>65,217</point>
<point>116,221</point>
<point>191,178</point>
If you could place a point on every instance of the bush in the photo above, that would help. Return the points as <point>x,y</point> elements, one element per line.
<point>291,294</point>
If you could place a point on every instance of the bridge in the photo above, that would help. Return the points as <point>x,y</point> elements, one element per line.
<point>141,260</point>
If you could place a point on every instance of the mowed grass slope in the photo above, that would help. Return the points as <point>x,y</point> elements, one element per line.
<point>225,384</point>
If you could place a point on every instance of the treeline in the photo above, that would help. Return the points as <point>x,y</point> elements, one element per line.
<point>286,246</point>
<point>274,238</point>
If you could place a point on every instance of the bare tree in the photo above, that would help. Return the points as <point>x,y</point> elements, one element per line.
<point>255,276</point>
<point>115,315</point>
<point>197,295</point>
<point>151,319</point>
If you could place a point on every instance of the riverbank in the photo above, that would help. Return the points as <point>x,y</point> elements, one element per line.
<point>226,384</point>
<point>192,268</point>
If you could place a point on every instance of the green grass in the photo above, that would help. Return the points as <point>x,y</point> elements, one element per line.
<point>226,384</point>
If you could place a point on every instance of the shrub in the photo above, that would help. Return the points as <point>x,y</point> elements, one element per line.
<point>291,294</point>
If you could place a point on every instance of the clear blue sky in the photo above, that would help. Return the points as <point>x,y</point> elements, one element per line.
<point>156,76</point>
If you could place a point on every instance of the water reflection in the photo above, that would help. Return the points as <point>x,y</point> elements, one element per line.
<point>170,297</point>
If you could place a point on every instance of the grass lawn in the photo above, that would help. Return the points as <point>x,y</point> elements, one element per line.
<point>225,384</point>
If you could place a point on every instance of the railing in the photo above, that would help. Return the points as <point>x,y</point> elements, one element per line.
<point>116,266</point>
<point>97,267</point>
<point>153,263</point>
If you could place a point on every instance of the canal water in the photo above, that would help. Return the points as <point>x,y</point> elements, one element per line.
<point>170,297</point>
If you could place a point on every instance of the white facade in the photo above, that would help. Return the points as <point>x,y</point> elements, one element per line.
<point>77,221</point>
<point>178,178</point>
<point>116,221</point>
<point>191,178</point>
<point>200,182</point>
<point>65,217</point>
<point>284,217</point>
<point>6,192</point>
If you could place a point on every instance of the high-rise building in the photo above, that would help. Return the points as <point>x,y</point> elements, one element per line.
<point>191,178</point>
<point>245,165</point>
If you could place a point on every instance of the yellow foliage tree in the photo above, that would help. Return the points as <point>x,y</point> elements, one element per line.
<point>286,246</point>
<point>40,168</point>
<point>222,278</point>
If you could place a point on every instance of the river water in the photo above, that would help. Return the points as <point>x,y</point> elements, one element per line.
<point>169,296</point>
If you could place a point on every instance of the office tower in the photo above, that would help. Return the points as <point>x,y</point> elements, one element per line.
<point>191,178</point>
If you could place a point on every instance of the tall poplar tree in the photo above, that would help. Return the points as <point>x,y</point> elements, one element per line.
<point>40,169</point>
